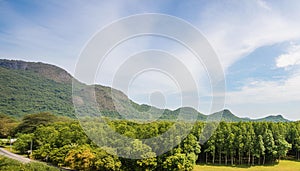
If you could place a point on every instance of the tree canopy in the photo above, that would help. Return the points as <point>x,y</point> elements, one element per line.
<point>252,143</point>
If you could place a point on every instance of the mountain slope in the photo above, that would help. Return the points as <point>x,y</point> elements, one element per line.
<point>272,118</point>
<point>26,92</point>
<point>48,71</point>
<point>29,87</point>
<point>227,116</point>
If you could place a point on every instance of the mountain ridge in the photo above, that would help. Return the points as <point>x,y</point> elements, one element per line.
<point>49,88</point>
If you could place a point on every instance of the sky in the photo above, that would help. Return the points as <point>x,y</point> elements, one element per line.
<point>257,43</point>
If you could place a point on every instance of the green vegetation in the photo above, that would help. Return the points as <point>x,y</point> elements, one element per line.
<point>7,164</point>
<point>238,144</point>
<point>7,125</point>
<point>42,89</point>
<point>26,92</point>
<point>31,122</point>
<point>28,87</point>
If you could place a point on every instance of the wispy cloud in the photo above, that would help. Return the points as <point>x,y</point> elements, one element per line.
<point>242,27</point>
<point>277,95</point>
<point>55,32</point>
<point>267,97</point>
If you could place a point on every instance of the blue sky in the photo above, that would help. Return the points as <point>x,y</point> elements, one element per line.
<point>257,42</point>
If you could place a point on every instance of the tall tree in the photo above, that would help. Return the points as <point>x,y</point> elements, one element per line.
<point>220,140</point>
<point>31,122</point>
<point>270,145</point>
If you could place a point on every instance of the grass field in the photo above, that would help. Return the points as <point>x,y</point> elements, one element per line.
<point>284,165</point>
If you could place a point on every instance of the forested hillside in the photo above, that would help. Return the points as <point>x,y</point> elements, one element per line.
<point>29,87</point>
<point>26,92</point>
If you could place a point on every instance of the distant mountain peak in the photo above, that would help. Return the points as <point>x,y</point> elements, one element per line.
<point>273,118</point>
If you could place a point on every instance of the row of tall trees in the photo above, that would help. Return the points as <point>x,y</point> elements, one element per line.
<point>64,143</point>
<point>251,143</point>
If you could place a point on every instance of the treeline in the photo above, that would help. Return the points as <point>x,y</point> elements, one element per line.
<point>252,143</point>
<point>64,143</point>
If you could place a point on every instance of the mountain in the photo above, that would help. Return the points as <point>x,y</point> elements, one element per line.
<point>272,118</point>
<point>50,72</point>
<point>30,87</point>
<point>33,87</point>
<point>25,90</point>
<point>227,116</point>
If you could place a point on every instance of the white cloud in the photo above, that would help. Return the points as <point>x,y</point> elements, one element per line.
<point>289,59</point>
<point>266,97</point>
<point>276,91</point>
<point>258,92</point>
<point>245,26</point>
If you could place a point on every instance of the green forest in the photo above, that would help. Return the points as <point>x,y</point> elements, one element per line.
<point>62,142</point>
<point>46,124</point>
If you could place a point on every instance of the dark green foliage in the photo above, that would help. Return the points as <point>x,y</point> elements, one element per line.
<point>30,122</point>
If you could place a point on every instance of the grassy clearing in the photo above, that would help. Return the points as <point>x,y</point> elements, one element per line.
<point>7,164</point>
<point>284,165</point>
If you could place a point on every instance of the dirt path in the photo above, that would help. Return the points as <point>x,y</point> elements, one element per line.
<point>14,156</point>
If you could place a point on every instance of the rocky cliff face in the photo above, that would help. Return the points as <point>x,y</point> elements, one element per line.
<point>11,64</point>
<point>49,71</point>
